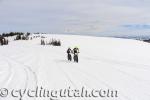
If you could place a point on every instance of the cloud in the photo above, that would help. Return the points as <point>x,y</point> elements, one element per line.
<point>137,26</point>
<point>103,17</point>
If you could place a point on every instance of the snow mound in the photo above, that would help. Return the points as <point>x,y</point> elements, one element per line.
<point>104,63</point>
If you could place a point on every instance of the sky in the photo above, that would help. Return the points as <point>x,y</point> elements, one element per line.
<point>86,17</point>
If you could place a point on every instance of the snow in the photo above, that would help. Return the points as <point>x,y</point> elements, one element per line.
<point>104,63</point>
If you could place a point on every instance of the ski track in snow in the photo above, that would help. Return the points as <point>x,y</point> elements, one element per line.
<point>34,65</point>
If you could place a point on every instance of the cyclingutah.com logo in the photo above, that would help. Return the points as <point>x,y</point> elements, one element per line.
<point>40,92</point>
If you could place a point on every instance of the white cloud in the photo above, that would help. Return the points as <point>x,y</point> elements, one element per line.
<point>74,16</point>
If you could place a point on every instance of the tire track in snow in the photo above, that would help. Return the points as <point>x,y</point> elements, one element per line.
<point>125,63</point>
<point>103,81</point>
<point>77,72</point>
<point>59,66</point>
<point>10,74</point>
<point>65,73</point>
<point>26,69</point>
<point>129,75</point>
<point>121,63</point>
<point>96,80</point>
<point>118,70</point>
<point>62,71</point>
<point>11,77</point>
<point>92,77</point>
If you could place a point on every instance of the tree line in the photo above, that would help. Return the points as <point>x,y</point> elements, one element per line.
<point>52,42</point>
<point>19,36</point>
<point>25,36</point>
<point>3,41</point>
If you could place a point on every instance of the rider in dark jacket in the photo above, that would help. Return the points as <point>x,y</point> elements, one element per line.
<point>69,51</point>
<point>75,52</point>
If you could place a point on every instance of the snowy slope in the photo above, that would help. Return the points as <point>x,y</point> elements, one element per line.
<point>104,63</point>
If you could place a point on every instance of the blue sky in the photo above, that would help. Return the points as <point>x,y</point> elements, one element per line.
<point>100,17</point>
